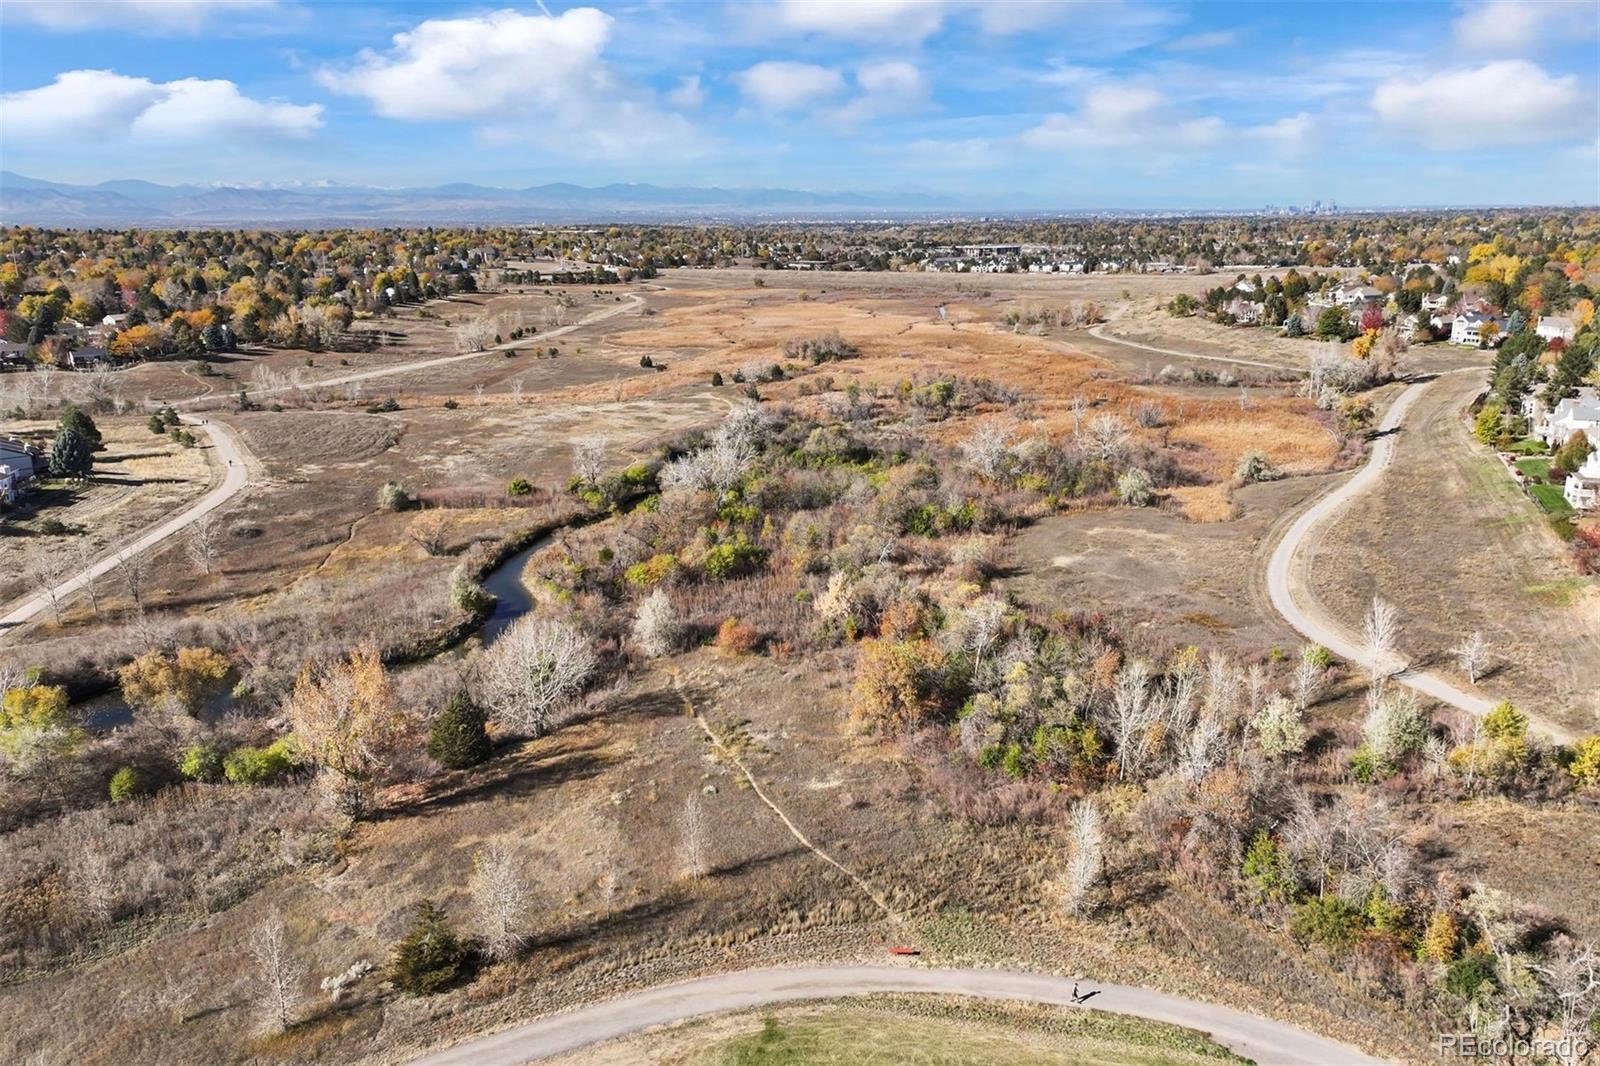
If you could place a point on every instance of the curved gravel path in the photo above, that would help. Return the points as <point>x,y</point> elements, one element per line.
<point>1262,1039</point>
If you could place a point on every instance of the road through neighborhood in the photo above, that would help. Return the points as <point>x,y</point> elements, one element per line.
<point>1262,1039</point>
<point>229,450</point>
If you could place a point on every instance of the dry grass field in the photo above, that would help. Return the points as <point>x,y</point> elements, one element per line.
<point>905,1031</point>
<point>139,479</point>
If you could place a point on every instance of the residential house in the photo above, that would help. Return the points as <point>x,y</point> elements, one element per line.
<point>1244,285</point>
<point>71,329</point>
<point>1567,417</point>
<point>1435,301</point>
<point>1354,295</point>
<point>1244,312</point>
<point>10,485</point>
<point>1468,328</point>
<point>13,353</point>
<point>89,357</point>
<point>1555,327</point>
<point>115,321</point>
<point>1582,489</point>
<point>23,460</point>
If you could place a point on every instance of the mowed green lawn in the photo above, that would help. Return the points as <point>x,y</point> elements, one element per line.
<point>870,1038</point>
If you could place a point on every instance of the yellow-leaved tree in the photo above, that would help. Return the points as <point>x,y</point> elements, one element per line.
<point>349,724</point>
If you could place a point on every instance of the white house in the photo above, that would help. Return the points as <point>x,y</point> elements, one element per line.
<point>1552,327</point>
<point>1467,329</point>
<point>1435,301</point>
<point>115,321</point>
<point>1244,312</point>
<point>1583,485</point>
<point>10,484</point>
<point>1570,415</point>
<point>1351,295</point>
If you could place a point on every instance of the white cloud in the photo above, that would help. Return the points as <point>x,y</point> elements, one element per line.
<point>1507,102</point>
<point>864,19</point>
<point>105,104</point>
<point>142,16</point>
<point>517,77</point>
<point>482,66</point>
<point>1201,42</point>
<point>781,85</point>
<point>1293,133</point>
<point>889,88</point>
<point>192,108</point>
<point>1514,27</point>
<point>689,94</point>
<point>1120,116</point>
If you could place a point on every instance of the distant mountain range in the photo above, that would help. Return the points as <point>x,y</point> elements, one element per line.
<point>31,201</point>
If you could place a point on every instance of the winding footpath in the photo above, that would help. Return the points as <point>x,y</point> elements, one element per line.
<point>1261,1039</point>
<point>235,458</point>
<point>237,462</point>
<point>1099,332</point>
<point>1283,583</point>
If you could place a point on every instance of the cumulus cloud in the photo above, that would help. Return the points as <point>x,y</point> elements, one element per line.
<point>142,16</point>
<point>782,85</point>
<point>688,94</point>
<point>1292,133</point>
<point>890,88</point>
<point>914,20</point>
<point>516,76</point>
<point>1501,27</point>
<point>1123,116</point>
<point>1507,102</point>
<point>105,104</point>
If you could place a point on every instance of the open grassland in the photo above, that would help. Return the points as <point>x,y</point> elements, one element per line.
<point>906,1031</point>
<point>1449,538</point>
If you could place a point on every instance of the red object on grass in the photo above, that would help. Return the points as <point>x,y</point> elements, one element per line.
<point>905,951</point>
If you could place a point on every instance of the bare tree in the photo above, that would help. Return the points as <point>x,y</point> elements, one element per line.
<point>205,542</point>
<point>1087,862</point>
<point>1080,407</point>
<point>500,900</point>
<point>48,570</point>
<point>83,557</point>
<point>1133,714</point>
<point>982,622</point>
<point>696,863</point>
<point>1108,437</point>
<point>989,452</point>
<point>133,569</point>
<point>1307,681</point>
<point>1381,630</point>
<point>656,628</point>
<point>278,973</point>
<point>589,459</point>
<point>535,668</point>
<point>1572,980</point>
<point>1472,655</point>
<point>474,334</point>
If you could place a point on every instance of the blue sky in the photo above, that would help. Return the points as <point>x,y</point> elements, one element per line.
<point>1050,103</point>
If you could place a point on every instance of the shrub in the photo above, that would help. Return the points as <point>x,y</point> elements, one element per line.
<point>1505,722</point>
<point>1585,764</point>
<point>1136,488</point>
<point>393,497</point>
<point>716,379</point>
<point>260,766</point>
<point>130,783</point>
<point>156,425</point>
<point>201,762</point>
<point>652,572</point>
<point>1327,920</point>
<point>519,486</point>
<point>179,681</point>
<point>384,406</point>
<point>1439,942</point>
<point>898,684</point>
<point>825,348</point>
<point>1266,870</point>
<point>430,957</point>
<point>1467,975</point>
<point>459,738</point>
<point>1318,656</point>
<point>1255,466</point>
<point>737,636</point>
<point>733,557</point>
